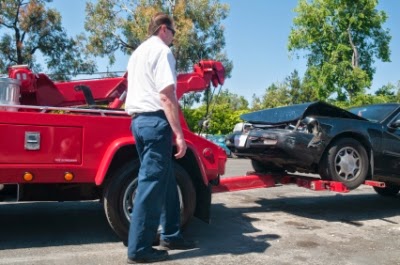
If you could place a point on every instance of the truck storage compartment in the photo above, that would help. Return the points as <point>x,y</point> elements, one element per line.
<point>48,144</point>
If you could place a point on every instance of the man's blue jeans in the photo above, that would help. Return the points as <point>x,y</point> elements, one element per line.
<point>156,200</point>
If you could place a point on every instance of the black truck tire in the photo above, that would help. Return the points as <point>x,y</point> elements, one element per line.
<point>346,161</point>
<point>120,192</point>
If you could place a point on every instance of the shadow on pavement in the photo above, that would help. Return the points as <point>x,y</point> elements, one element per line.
<point>42,224</point>
<point>348,208</point>
<point>230,232</point>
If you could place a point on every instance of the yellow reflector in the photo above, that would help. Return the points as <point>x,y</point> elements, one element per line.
<point>28,176</point>
<point>68,176</point>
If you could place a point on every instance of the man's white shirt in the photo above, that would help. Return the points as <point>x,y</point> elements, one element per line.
<point>151,68</point>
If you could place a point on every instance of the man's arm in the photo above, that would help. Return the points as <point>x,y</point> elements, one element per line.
<point>171,107</point>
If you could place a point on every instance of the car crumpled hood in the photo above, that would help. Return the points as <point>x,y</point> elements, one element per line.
<point>295,112</point>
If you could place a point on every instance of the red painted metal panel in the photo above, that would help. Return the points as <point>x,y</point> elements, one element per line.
<point>244,183</point>
<point>93,134</point>
<point>373,183</point>
<point>57,144</point>
<point>314,183</point>
<point>254,181</point>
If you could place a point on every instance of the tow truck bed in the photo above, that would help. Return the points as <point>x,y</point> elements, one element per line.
<point>254,180</point>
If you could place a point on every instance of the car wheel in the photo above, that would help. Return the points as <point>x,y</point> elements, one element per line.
<point>346,161</point>
<point>389,191</point>
<point>264,167</point>
<point>120,193</point>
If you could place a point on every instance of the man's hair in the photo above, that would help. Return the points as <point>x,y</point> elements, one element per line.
<point>156,21</point>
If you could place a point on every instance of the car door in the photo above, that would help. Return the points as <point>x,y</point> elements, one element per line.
<point>390,163</point>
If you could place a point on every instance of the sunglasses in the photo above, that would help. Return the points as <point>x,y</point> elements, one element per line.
<point>172,30</point>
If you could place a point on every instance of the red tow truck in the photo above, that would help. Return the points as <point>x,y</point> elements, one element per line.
<point>71,141</point>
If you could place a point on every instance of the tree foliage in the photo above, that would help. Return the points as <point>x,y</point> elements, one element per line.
<point>342,38</point>
<point>234,101</point>
<point>121,25</point>
<point>276,95</point>
<point>28,28</point>
<point>219,115</point>
<point>291,91</point>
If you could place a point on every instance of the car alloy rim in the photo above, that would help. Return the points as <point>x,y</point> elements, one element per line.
<point>348,163</point>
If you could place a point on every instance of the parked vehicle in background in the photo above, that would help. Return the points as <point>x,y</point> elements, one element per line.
<point>242,127</point>
<point>349,146</point>
<point>219,140</point>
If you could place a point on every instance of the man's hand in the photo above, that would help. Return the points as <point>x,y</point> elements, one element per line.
<point>171,106</point>
<point>181,147</point>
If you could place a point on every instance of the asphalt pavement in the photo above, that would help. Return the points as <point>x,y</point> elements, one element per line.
<point>280,225</point>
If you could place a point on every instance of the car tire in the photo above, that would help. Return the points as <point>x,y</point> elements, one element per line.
<point>120,191</point>
<point>389,191</point>
<point>261,167</point>
<point>345,161</point>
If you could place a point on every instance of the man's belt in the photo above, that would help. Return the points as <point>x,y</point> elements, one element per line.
<point>147,113</point>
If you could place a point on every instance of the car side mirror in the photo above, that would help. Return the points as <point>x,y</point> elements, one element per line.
<point>395,124</point>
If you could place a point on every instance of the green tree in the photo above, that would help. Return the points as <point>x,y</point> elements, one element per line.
<point>362,99</point>
<point>290,91</point>
<point>121,25</point>
<point>299,90</point>
<point>256,103</point>
<point>390,91</point>
<point>234,101</point>
<point>188,100</point>
<point>28,28</point>
<point>386,90</point>
<point>397,98</point>
<point>276,95</point>
<point>219,115</point>
<point>293,81</point>
<point>221,120</point>
<point>342,38</point>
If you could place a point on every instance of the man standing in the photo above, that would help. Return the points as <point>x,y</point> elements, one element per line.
<point>152,103</point>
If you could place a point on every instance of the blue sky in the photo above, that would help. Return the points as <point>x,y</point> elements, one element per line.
<point>256,41</point>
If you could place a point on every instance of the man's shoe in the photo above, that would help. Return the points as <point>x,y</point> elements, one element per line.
<point>181,244</point>
<point>156,241</point>
<point>154,256</point>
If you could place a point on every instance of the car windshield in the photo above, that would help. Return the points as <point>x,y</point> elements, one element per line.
<point>374,113</point>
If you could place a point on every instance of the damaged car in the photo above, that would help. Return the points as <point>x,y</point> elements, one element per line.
<point>349,146</point>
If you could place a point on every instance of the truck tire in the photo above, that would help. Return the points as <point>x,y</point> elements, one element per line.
<point>389,191</point>
<point>346,161</point>
<point>120,192</point>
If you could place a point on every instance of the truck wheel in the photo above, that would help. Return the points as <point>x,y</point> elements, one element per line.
<point>388,191</point>
<point>346,161</point>
<point>120,193</point>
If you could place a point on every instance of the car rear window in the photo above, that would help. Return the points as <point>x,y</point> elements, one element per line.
<point>374,113</point>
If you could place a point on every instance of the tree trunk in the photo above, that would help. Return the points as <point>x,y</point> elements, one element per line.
<point>355,58</point>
